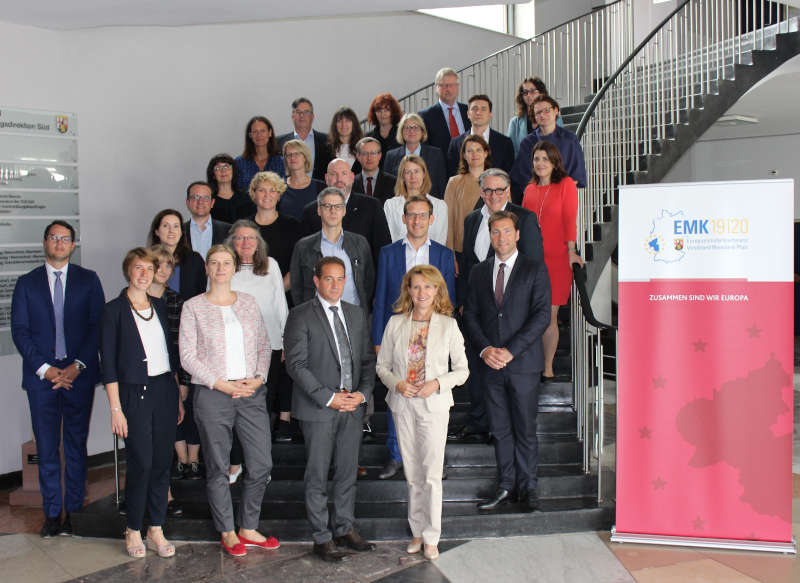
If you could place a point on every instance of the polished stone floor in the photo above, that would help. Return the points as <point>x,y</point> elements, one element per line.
<point>568,558</point>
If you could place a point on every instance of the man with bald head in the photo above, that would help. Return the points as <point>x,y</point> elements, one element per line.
<point>364,213</point>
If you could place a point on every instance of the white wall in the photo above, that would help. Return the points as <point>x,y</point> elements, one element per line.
<point>155,103</point>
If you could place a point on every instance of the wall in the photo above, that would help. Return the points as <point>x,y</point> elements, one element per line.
<point>155,103</point>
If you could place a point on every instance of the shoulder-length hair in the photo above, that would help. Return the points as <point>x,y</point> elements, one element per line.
<point>441,303</point>
<point>334,138</point>
<point>522,108</point>
<point>250,149</point>
<point>183,249</point>
<point>463,165</point>
<point>211,178</point>
<point>407,118</point>
<point>301,147</point>
<point>554,156</point>
<point>260,257</point>
<point>400,186</point>
<point>384,100</point>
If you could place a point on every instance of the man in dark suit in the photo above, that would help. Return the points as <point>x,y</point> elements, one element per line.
<point>446,118</point>
<point>495,193</point>
<point>199,201</point>
<point>364,215</point>
<point>55,314</point>
<point>480,114</point>
<point>396,259</point>
<point>317,142</point>
<point>372,181</point>
<point>507,311</point>
<point>332,363</point>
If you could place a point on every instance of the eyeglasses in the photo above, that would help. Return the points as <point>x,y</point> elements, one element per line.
<point>57,238</point>
<point>494,191</point>
<point>200,197</point>
<point>412,216</point>
<point>244,238</point>
<point>369,153</point>
<point>530,92</point>
<point>221,167</point>
<point>302,112</point>
<point>542,111</point>
<point>293,154</point>
<point>448,85</point>
<point>383,109</point>
<point>412,128</point>
<point>331,207</point>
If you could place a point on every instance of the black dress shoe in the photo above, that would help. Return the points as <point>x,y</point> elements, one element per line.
<point>328,553</point>
<point>501,497</point>
<point>283,432</point>
<point>51,527</point>
<point>66,526</point>
<point>390,469</point>
<point>532,500</point>
<point>456,433</point>
<point>174,508</point>
<point>353,540</point>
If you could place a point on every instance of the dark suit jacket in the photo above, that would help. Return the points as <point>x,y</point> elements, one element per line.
<point>530,243</point>
<point>382,188</point>
<point>434,160</point>
<point>322,153</point>
<point>364,216</point>
<point>392,268</point>
<point>438,127</point>
<point>219,231</point>
<point>519,323</point>
<point>121,347</point>
<point>501,146</point>
<point>33,323</point>
<point>312,359</point>
<point>193,279</point>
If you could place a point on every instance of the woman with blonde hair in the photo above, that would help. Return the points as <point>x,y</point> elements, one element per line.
<point>301,189</point>
<point>411,133</point>
<point>413,180</point>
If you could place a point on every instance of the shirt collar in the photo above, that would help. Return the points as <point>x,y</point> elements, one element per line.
<point>193,223</point>
<point>408,244</point>
<point>326,304</point>
<point>51,270</point>
<point>510,261</point>
<point>417,152</point>
<point>338,241</point>
<point>485,135</point>
<point>485,210</point>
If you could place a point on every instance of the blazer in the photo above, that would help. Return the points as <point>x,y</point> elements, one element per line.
<point>518,129</point>
<point>219,231</point>
<point>202,339</point>
<point>438,127</point>
<point>392,269</point>
<point>434,160</point>
<point>501,146</point>
<point>519,323</point>
<point>33,322</point>
<point>322,154</point>
<point>312,359</point>
<point>308,251</point>
<point>193,279</point>
<point>530,243</point>
<point>571,154</point>
<point>382,189</point>
<point>364,216</point>
<point>121,348</point>
<point>445,360</point>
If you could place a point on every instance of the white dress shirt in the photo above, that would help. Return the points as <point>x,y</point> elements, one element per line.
<point>153,340</point>
<point>483,240</point>
<point>393,209</point>
<point>419,256</point>
<point>506,272</point>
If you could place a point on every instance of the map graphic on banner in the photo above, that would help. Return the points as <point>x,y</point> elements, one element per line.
<point>658,242</point>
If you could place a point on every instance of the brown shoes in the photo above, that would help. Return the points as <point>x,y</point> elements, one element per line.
<point>353,540</point>
<point>328,553</point>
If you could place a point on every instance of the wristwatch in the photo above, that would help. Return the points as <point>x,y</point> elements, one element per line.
<point>79,365</point>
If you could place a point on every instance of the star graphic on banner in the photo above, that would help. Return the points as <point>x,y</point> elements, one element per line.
<point>754,331</point>
<point>658,483</point>
<point>698,523</point>
<point>659,382</point>
<point>699,346</point>
<point>645,432</point>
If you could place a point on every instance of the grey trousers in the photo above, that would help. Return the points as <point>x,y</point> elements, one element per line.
<point>216,415</point>
<point>336,441</point>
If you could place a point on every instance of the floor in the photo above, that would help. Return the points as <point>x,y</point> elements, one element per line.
<point>568,558</point>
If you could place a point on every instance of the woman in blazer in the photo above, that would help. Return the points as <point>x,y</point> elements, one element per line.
<point>188,273</point>
<point>224,346</point>
<point>420,384</point>
<point>139,366</point>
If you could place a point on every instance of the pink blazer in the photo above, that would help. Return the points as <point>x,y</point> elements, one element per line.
<point>202,339</point>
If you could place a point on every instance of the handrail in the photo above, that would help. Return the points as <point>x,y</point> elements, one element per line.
<point>579,276</point>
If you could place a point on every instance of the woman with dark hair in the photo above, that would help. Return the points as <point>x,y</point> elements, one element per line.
<point>301,189</point>
<point>139,366</point>
<point>344,135</point>
<point>553,196</point>
<point>189,273</point>
<point>261,152</point>
<point>385,113</point>
<point>463,191</point>
<point>222,174</point>
<point>524,123</point>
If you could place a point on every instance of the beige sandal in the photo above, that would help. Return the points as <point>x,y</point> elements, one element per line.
<point>165,550</point>
<point>135,551</point>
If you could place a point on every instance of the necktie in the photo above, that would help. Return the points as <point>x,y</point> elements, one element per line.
<point>369,185</point>
<point>58,309</point>
<point>344,349</point>
<point>498,285</point>
<point>453,124</point>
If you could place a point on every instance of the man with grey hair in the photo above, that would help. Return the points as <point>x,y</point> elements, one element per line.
<point>447,118</point>
<point>317,142</point>
<point>372,181</point>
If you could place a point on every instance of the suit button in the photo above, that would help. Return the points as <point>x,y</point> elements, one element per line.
<point>142,397</point>
<point>500,315</point>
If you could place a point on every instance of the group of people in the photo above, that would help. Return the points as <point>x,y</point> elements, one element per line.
<point>312,267</point>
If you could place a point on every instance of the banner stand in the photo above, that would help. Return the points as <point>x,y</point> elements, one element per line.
<point>713,543</point>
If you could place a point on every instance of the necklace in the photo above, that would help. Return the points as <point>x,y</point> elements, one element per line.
<point>544,198</point>
<point>135,311</point>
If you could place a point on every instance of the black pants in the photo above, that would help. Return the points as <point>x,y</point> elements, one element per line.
<point>152,414</point>
<point>187,431</point>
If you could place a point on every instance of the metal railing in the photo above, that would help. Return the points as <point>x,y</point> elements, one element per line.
<point>573,60</point>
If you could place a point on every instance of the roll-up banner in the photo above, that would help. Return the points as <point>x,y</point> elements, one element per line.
<point>705,353</point>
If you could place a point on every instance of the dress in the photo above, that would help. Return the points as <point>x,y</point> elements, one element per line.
<point>556,207</point>
<point>461,196</point>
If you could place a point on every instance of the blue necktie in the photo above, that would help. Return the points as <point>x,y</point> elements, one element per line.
<point>58,309</point>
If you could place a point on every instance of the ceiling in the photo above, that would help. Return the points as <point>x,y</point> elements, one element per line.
<point>71,14</point>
